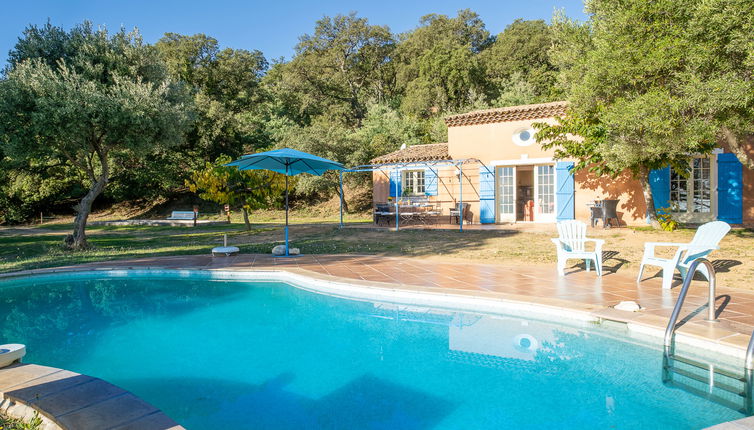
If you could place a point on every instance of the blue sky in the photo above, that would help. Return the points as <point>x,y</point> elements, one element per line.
<point>273,27</point>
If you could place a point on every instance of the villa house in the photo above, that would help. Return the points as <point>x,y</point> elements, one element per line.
<point>493,162</point>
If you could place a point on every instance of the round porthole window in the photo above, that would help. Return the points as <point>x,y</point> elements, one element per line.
<point>524,137</point>
<point>525,343</point>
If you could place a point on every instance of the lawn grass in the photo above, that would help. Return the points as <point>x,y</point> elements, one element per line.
<point>40,246</point>
<point>8,423</point>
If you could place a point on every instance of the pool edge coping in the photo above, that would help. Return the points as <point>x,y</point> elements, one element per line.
<point>25,385</point>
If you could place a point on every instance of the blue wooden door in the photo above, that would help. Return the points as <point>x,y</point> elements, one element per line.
<point>564,191</point>
<point>729,189</point>
<point>487,194</point>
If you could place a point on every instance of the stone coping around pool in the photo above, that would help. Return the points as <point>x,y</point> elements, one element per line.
<point>742,424</point>
<point>68,400</point>
<point>713,340</point>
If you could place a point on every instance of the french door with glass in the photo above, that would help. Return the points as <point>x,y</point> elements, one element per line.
<point>544,193</point>
<point>691,194</point>
<point>506,194</point>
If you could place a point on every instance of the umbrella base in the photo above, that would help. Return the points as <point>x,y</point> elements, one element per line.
<point>280,250</point>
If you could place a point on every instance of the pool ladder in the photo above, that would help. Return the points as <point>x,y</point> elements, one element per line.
<point>732,390</point>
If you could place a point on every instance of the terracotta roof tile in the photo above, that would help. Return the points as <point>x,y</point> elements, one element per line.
<point>510,113</point>
<point>428,152</point>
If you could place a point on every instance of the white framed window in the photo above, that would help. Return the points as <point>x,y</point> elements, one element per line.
<point>693,193</point>
<point>413,182</point>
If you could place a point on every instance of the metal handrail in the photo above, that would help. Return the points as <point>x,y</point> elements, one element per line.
<point>710,307</point>
<point>749,362</point>
<point>749,378</point>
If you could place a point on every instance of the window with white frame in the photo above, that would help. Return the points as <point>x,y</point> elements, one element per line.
<point>413,182</point>
<point>692,193</point>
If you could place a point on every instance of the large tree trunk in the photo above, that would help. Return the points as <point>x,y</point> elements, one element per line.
<point>246,218</point>
<point>738,148</point>
<point>84,207</point>
<point>345,202</point>
<point>646,189</point>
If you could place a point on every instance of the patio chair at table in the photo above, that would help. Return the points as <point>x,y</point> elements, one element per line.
<point>706,239</point>
<point>595,213</point>
<point>609,213</point>
<point>456,213</point>
<point>571,244</point>
<point>382,212</point>
<point>605,210</point>
<point>430,214</point>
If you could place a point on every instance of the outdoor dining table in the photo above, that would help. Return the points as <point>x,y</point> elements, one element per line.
<point>419,212</point>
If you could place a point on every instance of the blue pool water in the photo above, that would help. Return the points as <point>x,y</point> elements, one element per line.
<point>217,354</point>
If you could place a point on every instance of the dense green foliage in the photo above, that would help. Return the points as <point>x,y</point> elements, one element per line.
<point>653,83</point>
<point>352,91</point>
<point>650,82</point>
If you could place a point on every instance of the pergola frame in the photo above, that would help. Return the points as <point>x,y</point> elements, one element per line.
<point>397,167</point>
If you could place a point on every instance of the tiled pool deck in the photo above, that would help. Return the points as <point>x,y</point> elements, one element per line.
<point>578,291</point>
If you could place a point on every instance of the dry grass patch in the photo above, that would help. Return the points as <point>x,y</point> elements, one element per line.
<point>32,247</point>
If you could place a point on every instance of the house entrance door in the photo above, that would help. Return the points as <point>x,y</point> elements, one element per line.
<point>506,194</point>
<point>544,193</point>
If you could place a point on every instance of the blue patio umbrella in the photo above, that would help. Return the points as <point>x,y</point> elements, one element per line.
<point>288,162</point>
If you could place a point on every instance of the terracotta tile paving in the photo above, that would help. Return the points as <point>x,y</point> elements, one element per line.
<point>535,284</point>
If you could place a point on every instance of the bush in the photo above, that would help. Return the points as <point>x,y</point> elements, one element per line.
<point>665,218</point>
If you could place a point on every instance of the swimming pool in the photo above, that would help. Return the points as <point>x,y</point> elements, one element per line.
<point>229,353</point>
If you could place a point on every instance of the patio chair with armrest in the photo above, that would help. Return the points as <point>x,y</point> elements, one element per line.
<point>382,211</point>
<point>571,244</point>
<point>455,213</point>
<point>609,213</point>
<point>706,239</point>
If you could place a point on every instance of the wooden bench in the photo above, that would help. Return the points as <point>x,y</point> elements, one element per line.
<point>183,215</point>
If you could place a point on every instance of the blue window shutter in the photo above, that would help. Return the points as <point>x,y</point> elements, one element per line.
<point>729,189</point>
<point>564,190</point>
<point>486,195</point>
<point>430,182</point>
<point>395,183</point>
<point>659,182</point>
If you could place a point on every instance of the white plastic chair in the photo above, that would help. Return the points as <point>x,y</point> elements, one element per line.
<point>705,241</point>
<point>572,245</point>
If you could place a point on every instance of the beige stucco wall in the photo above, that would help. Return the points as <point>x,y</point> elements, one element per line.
<point>589,187</point>
<point>489,142</point>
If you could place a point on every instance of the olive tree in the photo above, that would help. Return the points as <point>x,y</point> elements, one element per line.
<point>107,100</point>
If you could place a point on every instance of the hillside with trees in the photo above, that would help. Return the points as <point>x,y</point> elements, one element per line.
<point>87,114</point>
<point>90,114</point>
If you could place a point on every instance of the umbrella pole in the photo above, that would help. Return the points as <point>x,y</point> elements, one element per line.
<point>286,211</point>
<point>340,175</point>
